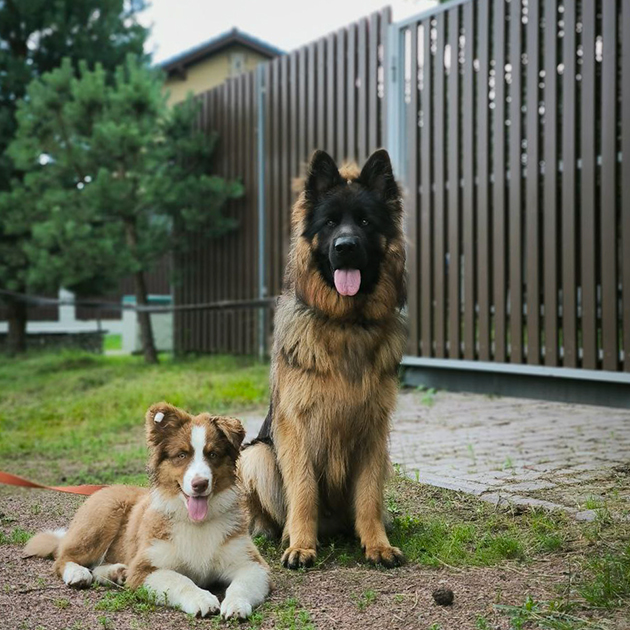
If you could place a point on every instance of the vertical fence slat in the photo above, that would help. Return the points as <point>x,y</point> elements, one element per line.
<point>252,245</point>
<point>588,229</point>
<point>225,142</point>
<point>238,265</point>
<point>438,166</point>
<point>532,200</point>
<point>385,21</point>
<point>483,198</point>
<point>469,184</point>
<point>216,253</point>
<point>608,247</point>
<point>499,166</point>
<point>302,107</point>
<point>294,111</point>
<point>312,100</point>
<point>569,201</point>
<point>277,182</point>
<point>205,292</point>
<point>625,183</point>
<point>516,277</point>
<point>411,203</point>
<point>426,272</point>
<point>351,124</point>
<point>284,209</point>
<point>372,139</point>
<point>340,149</point>
<point>321,94</point>
<point>362,96</point>
<point>550,266</point>
<point>232,150</point>
<point>454,258</point>
<point>330,94</point>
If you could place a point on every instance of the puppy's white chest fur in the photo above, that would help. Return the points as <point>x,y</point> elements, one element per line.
<point>195,549</point>
<point>192,550</point>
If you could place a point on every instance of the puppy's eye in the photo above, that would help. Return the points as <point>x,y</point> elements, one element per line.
<point>364,222</point>
<point>212,455</point>
<point>331,223</point>
<point>182,455</point>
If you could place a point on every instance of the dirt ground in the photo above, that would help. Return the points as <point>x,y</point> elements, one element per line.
<point>335,597</point>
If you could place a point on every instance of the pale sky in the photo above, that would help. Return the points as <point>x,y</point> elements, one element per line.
<point>182,24</point>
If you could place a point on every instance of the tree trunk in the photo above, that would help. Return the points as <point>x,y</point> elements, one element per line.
<point>17,316</point>
<point>144,318</point>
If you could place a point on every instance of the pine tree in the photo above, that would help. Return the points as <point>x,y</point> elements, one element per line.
<point>35,35</point>
<point>114,178</point>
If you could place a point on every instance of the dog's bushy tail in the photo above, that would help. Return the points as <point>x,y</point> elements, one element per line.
<point>44,544</point>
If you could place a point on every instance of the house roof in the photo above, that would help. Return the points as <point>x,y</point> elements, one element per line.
<point>216,44</point>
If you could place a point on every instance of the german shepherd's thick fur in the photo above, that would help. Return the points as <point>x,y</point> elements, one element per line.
<point>320,462</point>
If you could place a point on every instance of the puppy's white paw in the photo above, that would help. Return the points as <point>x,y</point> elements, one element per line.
<point>235,608</point>
<point>199,602</point>
<point>76,576</point>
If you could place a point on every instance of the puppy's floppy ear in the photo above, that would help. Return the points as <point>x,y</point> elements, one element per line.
<point>323,175</point>
<point>377,175</point>
<point>233,430</point>
<point>161,418</point>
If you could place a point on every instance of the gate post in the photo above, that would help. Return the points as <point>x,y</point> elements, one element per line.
<point>394,101</point>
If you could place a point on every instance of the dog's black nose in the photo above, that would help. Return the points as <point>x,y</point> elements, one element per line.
<point>199,485</point>
<point>346,244</point>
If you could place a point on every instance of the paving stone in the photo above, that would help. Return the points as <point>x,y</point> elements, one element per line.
<point>501,449</point>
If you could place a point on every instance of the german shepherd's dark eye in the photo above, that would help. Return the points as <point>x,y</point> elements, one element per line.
<point>363,222</point>
<point>331,223</point>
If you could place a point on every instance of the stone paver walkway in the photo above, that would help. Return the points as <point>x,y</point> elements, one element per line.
<point>526,452</point>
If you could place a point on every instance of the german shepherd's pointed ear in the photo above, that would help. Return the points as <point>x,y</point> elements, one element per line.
<point>161,418</point>
<point>377,175</point>
<point>323,175</point>
<point>233,430</point>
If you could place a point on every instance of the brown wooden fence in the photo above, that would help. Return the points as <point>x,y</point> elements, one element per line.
<point>517,116</point>
<point>508,122</point>
<point>327,95</point>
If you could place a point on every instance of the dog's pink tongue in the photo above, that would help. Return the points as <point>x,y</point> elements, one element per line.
<point>347,281</point>
<point>197,508</point>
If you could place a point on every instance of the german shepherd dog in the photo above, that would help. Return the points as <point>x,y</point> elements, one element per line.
<point>320,461</point>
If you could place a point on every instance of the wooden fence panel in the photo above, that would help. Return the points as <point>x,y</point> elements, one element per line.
<point>514,131</point>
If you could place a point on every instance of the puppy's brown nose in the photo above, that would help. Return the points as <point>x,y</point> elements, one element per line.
<point>199,485</point>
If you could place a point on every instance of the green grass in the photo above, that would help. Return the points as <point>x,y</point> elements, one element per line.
<point>553,615</point>
<point>365,599</point>
<point>16,536</point>
<point>78,417</point>
<point>287,615</point>
<point>608,582</point>
<point>140,601</point>
<point>112,342</point>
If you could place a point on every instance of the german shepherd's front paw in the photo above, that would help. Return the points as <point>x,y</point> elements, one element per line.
<point>387,556</point>
<point>296,558</point>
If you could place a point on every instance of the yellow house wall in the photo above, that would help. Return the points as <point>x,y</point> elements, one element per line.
<point>208,73</point>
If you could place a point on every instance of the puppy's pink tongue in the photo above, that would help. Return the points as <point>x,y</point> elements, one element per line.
<point>197,508</point>
<point>347,281</point>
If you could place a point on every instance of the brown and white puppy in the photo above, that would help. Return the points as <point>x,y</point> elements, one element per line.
<point>187,531</point>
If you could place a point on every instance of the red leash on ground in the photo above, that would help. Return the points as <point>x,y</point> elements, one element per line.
<point>14,480</point>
